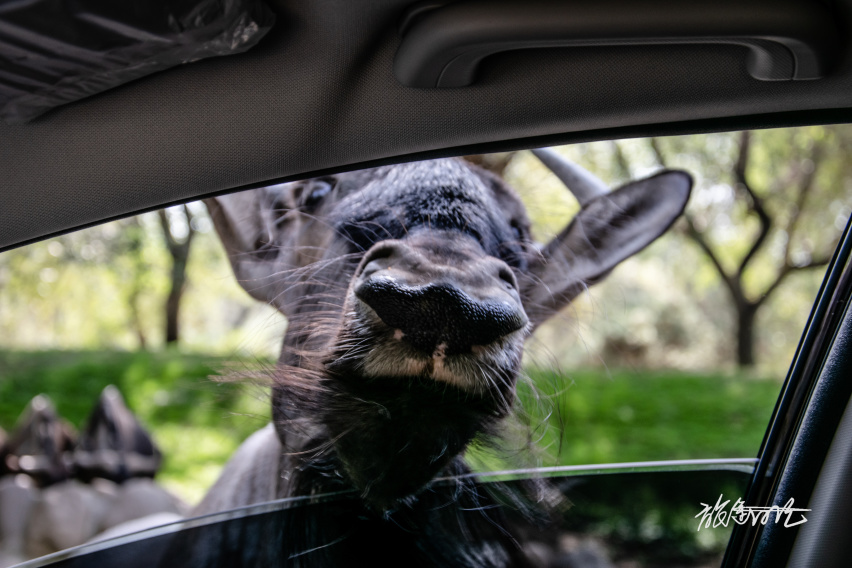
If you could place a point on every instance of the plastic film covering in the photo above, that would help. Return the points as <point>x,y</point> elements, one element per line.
<point>53,52</point>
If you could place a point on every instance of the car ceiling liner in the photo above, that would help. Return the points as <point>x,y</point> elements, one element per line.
<point>327,89</point>
<point>55,52</point>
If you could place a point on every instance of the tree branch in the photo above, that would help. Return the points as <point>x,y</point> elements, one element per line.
<point>730,281</point>
<point>176,248</point>
<point>805,185</point>
<point>658,152</point>
<point>621,161</point>
<point>756,203</point>
<point>171,243</point>
<point>788,269</point>
<point>189,218</point>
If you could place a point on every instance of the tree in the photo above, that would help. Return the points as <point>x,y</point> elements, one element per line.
<point>134,268</point>
<point>178,231</point>
<point>776,196</point>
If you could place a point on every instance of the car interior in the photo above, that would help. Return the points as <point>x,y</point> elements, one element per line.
<point>338,86</point>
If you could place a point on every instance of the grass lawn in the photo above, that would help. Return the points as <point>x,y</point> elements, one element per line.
<point>590,416</point>
<point>600,417</point>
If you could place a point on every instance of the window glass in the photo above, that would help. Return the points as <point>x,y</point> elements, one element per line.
<point>632,519</point>
<point>677,353</point>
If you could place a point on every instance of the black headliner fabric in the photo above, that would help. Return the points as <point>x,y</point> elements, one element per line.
<point>318,92</point>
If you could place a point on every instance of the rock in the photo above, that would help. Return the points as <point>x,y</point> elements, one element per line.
<point>141,497</point>
<point>41,444</point>
<point>67,514</point>
<point>114,445</point>
<point>18,496</point>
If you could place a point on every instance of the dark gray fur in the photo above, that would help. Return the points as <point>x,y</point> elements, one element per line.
<point>359,404</point>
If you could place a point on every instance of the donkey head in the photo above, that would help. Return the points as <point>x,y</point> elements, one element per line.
<point>409,291</point>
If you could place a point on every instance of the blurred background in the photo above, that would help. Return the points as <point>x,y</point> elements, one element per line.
<point>680,353</point>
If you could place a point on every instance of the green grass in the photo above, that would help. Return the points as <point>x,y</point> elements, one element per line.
<point>599,417</point>
<point>594,416</point>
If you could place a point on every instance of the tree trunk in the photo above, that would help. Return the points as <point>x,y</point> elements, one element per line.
<point>136,319</point>
<point>138,268</point>
<point>179,252</point>
<point>746,313</point>
<point>173,300</point>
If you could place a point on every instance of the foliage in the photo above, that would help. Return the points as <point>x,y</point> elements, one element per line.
<point>667,307</point>
<point>105,287</point>
<point>791,176</point>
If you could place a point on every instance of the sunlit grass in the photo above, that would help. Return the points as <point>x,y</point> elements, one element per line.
<point>594,417</point>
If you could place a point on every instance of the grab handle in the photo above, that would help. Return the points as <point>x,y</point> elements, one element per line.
<point>443,43</point>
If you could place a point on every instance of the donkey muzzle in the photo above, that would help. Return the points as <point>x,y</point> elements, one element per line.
<point>444,298</point>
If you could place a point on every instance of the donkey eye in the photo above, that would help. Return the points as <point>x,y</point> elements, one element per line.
<point>319,189</point>
<point>517,233</point>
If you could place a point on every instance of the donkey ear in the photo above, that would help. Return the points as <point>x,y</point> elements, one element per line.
<point>608,229</point>
<point>245,222</point>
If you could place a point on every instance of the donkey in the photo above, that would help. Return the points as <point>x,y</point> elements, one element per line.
<point>409,291</point>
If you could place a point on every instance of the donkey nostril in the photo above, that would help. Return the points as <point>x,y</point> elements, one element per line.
<point>371,268</point>
<point>508,277</point>
<point>372,262</point>
<point>379,253</point>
